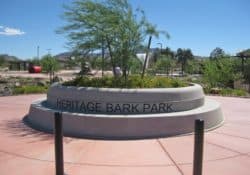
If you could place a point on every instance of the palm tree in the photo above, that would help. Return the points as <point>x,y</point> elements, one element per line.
<point>183,55</point>
<point>151,31</point>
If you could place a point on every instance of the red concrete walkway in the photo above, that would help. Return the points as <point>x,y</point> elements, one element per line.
<point>24,151</point>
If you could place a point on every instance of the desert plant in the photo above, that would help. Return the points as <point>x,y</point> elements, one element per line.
<point>110,24</point>
<point>30,89</point>
<point>134,81</point>
<point>49,65</point>
<point>220,73</point>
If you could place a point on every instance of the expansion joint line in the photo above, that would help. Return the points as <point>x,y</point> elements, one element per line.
<point>171,158</point>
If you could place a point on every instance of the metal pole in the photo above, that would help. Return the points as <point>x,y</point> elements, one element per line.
<point>37,52</point>
<point>59,143</point>
<point>160,46</point>
<point>198,147</point>
<point>48,51</point>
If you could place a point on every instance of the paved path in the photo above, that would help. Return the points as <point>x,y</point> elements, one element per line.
<point>24,151</point>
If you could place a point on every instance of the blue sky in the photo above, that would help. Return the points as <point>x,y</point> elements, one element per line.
<point>200,25</point>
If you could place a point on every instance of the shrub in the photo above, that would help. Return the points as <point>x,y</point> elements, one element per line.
<point>226,92</point>
<point>132,82</point>
<point>220,73</point>
<point>135,66</point>
<point>233,92</point>
<point>30,89</point>
<point>164,65</point>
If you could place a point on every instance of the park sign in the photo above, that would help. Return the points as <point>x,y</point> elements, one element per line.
<point>125,113</point>
<point>110,108</point>
<point>125,101</point>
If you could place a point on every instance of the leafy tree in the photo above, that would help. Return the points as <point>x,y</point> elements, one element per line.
<point>246,73</point>
<point>164,64</point>
<point>151,31</point>
<point>2,61</point>
<point>194,66</point>
<point>220,73</point>
<point>96,63</point>
<point>93,24</point>
<point>183,55</point>
<point>35,61</point>
<point>99,63</point>
<point>168,52</point>
<point>110,24</point>
<point>135,66</point>
<point>217,53</point>
<point>49,65</point>
<point>243,55</point>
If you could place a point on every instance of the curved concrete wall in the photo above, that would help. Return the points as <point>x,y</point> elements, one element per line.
<point>136,113</point>
<point>126,126</point>
<point>124,101</point>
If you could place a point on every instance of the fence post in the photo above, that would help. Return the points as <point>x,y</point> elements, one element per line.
<point>59,143</point>
<point>198,147</point>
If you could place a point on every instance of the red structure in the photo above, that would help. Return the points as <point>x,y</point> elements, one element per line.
<point>35,69</point>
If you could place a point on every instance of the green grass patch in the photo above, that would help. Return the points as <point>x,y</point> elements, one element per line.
<point>30,89</point>
<point>233,92</point>
<point>132,82</point>
<point>226,92</point>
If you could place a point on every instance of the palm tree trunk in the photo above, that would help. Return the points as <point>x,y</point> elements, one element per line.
<point>146,58</point>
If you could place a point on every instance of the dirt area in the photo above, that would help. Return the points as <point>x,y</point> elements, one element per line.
<point>64,74</point>
<point>9,83</point>
<point>12,79</point>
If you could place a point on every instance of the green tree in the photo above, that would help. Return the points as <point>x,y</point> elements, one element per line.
<point>96,63</point>
<point>168,52</point>
<point>194,66</point>
<point>217,53</point>
<point>164,64</point>
<point>100,63</point>
<point>92,24</point>
<point>50,65</point>
<point>220,73</point>
<point>135,66</point>
<point>35,61</point>
<point>246,73</point>
<point>243,55</point>
<point>151,30</point>
<point>110,24</point>
<point>183,55</point>
<point>2,61</point>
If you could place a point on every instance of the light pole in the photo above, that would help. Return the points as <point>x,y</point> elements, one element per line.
<point>37,52</point>
<point>160,45</point>
<point>48,51</point>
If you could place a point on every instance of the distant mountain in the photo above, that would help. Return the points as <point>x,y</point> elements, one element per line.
<point>66,56</point>
<point>200,57</point>
<point>8,58</point>
<point>63,57</point>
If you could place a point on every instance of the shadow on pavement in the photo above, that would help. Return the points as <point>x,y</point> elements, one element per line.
<point>19,128</point>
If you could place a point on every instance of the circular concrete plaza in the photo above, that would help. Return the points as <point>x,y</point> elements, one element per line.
<point>26,151</point>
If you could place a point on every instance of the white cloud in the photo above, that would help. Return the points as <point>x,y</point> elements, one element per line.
<point>10,31</point>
